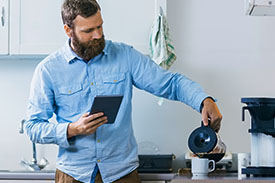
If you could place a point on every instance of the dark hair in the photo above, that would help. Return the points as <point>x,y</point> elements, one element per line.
<point>72,8</point>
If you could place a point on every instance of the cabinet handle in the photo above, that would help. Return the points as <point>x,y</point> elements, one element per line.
<point>3,16</point>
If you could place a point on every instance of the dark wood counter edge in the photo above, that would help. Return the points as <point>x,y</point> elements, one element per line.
<point>227,178</point>
<point>50,176</point>
<point>221,181</point>
<point>173,177</point>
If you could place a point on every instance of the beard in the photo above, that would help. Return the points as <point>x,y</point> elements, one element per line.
<point>88,50</point>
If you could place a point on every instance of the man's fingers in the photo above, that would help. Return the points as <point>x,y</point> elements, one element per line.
<point>94,116</point>
<point>205,119</point>
<point>216,124</point>
<point>210,112</point>
<point>96,121</point>
<point>93,128</point>
<point>85,114</point>
<point>213,120</point>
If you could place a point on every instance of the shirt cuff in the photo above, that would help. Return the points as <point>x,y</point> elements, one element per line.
<point>61,135</point>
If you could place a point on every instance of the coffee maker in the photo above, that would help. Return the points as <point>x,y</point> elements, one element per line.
<point>262,111</point>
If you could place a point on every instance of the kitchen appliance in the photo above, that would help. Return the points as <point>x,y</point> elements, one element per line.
<point>260,7</point>
<point>262,111</point>
<point>206,143</point>
<point>155,163</point>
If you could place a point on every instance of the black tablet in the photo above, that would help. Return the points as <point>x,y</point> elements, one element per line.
<point>109,105</point>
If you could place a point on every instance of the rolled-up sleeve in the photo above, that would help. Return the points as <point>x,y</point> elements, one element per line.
<point>149,76</point>
<point>40,109</point>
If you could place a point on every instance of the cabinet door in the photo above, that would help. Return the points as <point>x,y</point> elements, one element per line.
<point>129,21</point>
<point>4,27</point>
<point>36,26</point>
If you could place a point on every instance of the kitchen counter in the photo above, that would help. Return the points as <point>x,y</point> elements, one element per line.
<point>172,177</point>
<point>223,178</point>
<point>27,175</point>
<point>50,175</point>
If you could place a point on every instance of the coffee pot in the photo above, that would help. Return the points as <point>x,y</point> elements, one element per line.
<point>204,142</point>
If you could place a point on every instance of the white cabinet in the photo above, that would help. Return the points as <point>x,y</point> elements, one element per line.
<point>130,21</point>
<point>35,27</point>
<point>4,27</point>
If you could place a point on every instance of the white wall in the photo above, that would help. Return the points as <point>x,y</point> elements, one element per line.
<point>15,77</point>
<point>231,55</point>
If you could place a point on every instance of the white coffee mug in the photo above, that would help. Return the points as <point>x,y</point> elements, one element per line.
<point>200,167</point>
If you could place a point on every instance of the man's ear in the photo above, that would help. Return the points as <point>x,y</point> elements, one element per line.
<point>68,30</point>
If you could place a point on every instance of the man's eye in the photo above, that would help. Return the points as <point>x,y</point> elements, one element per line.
<point>88,31</point>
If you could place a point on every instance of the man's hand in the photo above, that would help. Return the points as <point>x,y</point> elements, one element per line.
<point>86,124</point>
<point>210,112</point>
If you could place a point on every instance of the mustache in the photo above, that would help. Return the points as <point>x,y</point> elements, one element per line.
<point>95,42</point>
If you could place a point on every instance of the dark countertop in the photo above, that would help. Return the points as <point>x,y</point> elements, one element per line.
<point>224,178</point>
<point>173,177</point>
<point>50,175</point>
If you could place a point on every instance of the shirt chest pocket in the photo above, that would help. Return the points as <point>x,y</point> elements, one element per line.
<point>69,90</point>
<point>113,84</point>
<point>70,97</point>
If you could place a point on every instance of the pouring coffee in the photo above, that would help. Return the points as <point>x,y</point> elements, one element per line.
<point>204,142</point>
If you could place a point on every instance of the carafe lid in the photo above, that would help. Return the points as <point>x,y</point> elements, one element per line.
<point>202,140</point>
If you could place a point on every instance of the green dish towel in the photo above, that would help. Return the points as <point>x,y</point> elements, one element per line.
<point>161,49</point>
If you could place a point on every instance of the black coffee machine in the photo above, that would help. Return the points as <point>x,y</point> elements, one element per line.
<point>262,111</point>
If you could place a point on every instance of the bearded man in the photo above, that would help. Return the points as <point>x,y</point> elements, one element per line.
<point>66,83</point>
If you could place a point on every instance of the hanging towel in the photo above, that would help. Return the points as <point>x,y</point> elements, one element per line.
<point>161,48</point>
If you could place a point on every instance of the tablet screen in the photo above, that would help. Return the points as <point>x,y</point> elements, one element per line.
<point>109,105</point>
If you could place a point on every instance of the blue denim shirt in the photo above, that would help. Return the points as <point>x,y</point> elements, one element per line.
<point>64,85</point>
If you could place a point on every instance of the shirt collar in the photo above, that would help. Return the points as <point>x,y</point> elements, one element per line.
<point>70,55</point>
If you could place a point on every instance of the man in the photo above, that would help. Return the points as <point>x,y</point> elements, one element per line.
<point>66,82</point>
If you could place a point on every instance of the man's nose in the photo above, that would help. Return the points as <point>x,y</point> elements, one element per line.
<point>97,34</point>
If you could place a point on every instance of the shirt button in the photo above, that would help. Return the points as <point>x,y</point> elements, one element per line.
<point>69,91</point>
<point>98,141</point>
<point>92,83</point>
<point>98,160</point>
<point>115,80</point>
